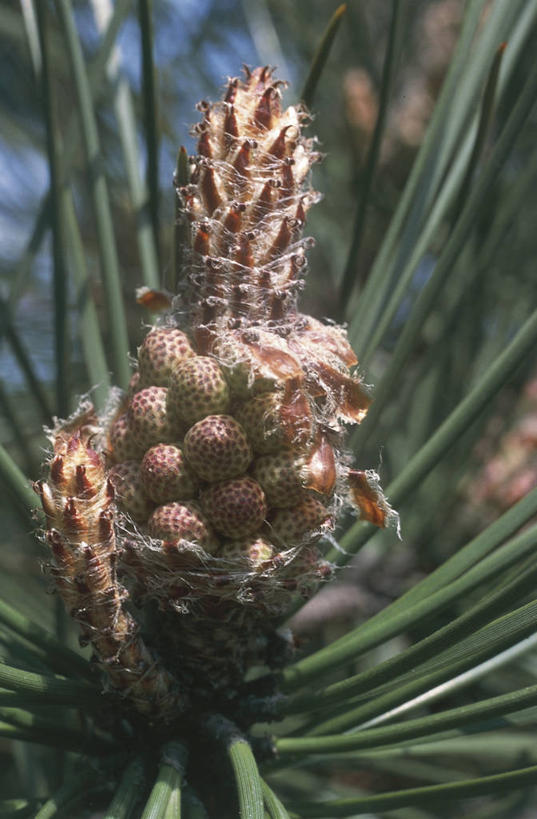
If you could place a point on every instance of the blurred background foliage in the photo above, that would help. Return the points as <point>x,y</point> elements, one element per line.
<point>487,295</point>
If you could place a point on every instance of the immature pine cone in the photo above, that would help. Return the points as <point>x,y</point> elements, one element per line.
<point>226,454</point>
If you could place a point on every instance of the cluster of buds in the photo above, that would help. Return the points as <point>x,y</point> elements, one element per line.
<point>226,455</point>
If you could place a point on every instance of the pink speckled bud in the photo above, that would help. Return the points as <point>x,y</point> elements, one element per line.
<point>148,418</point>
<point>281,479</point>
<point>162,350</point>
<point>182,522</point>
<point>235,508</point>
<point>299,524</point>
<point>130,492</point>
<point>197,388</point>
<point>217,448</point>
<point>165,474</point>
<point>123,444</point>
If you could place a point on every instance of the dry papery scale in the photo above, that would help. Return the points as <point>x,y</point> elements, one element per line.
<point>185,522</point>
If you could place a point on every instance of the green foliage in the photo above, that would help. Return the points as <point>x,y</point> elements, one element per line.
<point>428,252</point>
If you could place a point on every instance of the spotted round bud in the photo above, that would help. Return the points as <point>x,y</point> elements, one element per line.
<point>281,479</point>
<point>130,493</point>
<point>123,445</point>
<point>166,475</point>
<point>162,350</point>
<point>235,508</point>
<point>304,572</point>
<point>197,388</point>
<point>259,417</point>
<point>273,421</point>
<point>182,521</point>
<point>299,524</point>
<point>135,384</point>
<point>217,448</point>
<point>233,357</point>
<point>148,418</point>
<point>252,553</point>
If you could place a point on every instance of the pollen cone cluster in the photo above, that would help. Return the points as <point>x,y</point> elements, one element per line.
<point>226,455</point>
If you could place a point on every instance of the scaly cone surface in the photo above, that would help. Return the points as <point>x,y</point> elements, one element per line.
<point>226,455</point>
<point>78,501</point>
<point>247,205</point>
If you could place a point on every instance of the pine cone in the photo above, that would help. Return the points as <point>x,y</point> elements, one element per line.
<point>226,455</point>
